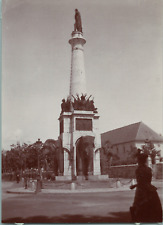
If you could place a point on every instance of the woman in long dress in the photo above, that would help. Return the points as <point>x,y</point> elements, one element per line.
<point>147,206</point>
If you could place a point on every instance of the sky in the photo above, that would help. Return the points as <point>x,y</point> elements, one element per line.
<point>123,64</point>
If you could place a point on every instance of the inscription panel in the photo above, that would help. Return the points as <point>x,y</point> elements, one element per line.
<point>84,124</point>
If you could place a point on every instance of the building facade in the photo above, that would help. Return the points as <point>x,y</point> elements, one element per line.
<point>123,142</point>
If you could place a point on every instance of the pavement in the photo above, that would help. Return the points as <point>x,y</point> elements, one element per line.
<point>21,190</point>
<point>87,202</point>
<point>74,189</point>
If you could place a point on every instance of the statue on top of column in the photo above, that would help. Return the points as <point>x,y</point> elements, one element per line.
<point>78,23</point>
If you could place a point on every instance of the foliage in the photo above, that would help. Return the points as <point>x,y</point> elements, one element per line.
<point>108,158</point>
<point>34,156</point>
<point>149,149</point>
<point>15,159</point>
<point>22,157</point>
<point>52,153</point>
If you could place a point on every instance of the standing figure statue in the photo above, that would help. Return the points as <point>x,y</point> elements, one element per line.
<point>78,23</point>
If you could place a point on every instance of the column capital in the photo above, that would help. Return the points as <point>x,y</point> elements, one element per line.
<point>77,37</point>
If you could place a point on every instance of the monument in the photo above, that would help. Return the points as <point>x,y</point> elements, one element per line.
<point>79,118</point>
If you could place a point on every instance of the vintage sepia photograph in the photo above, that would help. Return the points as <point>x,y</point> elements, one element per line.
<point>82,111</point>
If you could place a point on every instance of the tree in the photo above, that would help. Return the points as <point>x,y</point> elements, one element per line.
<point>15,159</point>
<point>52,153</point>
<point>108,157</point>
<point>149,149</point>
<point>36,150</point>
<point>131,158</point>
<point>22,157</point>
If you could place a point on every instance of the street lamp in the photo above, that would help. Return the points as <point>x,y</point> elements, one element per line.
<point>38,145</point>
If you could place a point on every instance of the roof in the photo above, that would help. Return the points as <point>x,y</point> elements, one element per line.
<point>133,132</point>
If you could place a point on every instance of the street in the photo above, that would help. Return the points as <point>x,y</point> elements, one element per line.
<point>112,207</point>
<point>100,207</point>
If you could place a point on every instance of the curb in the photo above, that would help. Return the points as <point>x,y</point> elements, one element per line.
<point>19,192</point>
<point>54,191</point>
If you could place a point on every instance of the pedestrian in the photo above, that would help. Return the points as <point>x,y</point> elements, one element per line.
<point>17,177</point>
<point>147,206</point>
<point>38,184</point>
<point>53,177</point>
<point>25,181</point>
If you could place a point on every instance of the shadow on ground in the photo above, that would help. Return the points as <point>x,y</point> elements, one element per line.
<point>117,217</point>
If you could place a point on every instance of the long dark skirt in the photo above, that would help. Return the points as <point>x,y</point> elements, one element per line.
<point>147,206</point>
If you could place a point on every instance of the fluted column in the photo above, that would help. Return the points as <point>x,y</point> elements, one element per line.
<point>77,77</point>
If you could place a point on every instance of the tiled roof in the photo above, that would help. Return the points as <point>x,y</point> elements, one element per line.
<point>133,132</point>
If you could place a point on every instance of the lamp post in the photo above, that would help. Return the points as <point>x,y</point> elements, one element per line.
<point>38,145</point>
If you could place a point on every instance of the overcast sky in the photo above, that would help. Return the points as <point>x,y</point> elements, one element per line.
<point>123,63</point>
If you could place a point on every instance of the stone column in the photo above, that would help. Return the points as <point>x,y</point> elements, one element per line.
<point>67,166</point>
<point>75,160</point>
<point>72,147</point>
<point>96,163</point>
<point>77,78</point>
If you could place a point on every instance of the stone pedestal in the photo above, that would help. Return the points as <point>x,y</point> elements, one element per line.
<point>71,134</point>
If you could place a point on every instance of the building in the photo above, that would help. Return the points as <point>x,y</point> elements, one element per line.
<point>125,139</point>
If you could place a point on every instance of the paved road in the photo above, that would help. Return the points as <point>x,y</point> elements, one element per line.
<point>68,208</point>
